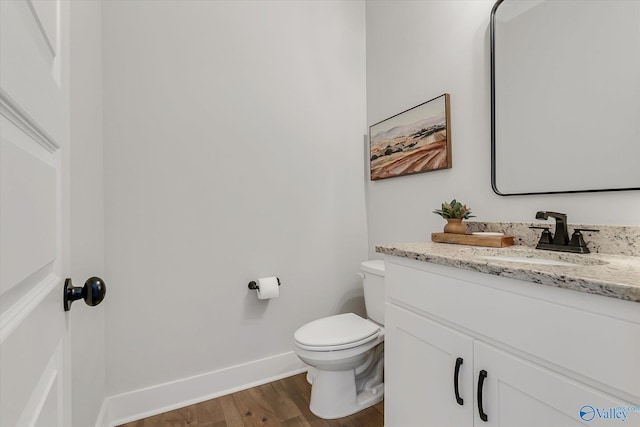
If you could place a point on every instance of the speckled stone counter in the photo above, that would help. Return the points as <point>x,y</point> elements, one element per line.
<point>609,275</point>
<point>610,239</point>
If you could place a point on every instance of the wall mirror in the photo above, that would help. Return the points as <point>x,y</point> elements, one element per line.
<point>565,101</point>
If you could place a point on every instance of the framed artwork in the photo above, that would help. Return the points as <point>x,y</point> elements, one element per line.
<point>414,141</point>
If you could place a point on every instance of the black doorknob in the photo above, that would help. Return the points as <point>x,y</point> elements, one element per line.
<point>92,292</point>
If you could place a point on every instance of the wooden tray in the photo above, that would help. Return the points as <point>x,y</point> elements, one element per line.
<point>473,240</point>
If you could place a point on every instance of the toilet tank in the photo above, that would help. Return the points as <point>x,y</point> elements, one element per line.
<point>373,282</point>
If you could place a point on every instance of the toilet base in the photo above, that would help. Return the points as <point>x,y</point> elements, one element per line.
<point>333,394</point>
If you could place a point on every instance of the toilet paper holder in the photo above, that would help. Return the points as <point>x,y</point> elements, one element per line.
<point>254,286</point>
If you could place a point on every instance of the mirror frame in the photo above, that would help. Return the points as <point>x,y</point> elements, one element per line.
<point>493,124</point>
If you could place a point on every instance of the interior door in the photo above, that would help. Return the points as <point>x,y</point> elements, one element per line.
<point>34,135</point>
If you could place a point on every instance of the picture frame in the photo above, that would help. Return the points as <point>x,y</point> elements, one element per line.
<point>414,141</point>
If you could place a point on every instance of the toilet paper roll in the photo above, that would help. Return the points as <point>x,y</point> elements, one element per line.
<point>268,288</point>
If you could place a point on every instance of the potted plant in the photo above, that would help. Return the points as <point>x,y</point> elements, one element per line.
<point>454,212</point>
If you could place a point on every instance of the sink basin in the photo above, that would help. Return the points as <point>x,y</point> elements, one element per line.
<point>528,260</point>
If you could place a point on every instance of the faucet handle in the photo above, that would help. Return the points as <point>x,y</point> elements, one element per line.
<point>546,236</point>
<point>578,240</point>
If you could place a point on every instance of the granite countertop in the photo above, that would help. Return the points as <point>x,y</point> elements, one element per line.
<point>615,276</point>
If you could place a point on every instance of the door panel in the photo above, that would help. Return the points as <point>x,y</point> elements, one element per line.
<point>28,207</point>
<point>32,75</point>
<point>26,358</point>
<point>519,393</point>
<point>420,362</point>
<point>34,133</point>
<point>45,14</point>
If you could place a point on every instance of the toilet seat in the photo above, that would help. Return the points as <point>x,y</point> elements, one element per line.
<point>339,332</point>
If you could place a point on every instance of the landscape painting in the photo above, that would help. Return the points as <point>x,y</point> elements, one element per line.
<point>414,141</point>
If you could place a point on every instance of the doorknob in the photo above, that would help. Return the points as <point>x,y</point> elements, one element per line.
<point>92,292</point>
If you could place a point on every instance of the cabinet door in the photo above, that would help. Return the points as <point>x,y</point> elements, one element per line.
<point>420,364</point>
<point>520,393</point>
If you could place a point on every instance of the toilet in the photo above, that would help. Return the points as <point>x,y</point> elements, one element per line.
<point>346,353</point>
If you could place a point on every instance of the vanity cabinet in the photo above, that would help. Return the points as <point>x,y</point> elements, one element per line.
<point>549,354</point>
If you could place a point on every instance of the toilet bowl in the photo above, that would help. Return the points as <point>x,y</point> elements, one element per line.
<point>346,353</point>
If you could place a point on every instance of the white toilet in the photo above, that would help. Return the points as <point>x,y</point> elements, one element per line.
<point>346,353</point>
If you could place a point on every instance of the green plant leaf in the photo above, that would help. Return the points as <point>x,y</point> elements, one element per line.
<point>454,209</point>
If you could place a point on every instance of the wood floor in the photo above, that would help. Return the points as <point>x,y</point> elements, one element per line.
<point>281,403</point>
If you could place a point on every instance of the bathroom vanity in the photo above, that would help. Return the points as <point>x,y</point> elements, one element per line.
<point>476,336</point>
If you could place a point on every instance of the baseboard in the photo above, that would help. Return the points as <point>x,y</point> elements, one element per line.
<point>146,402</point>
<point>103,420</point>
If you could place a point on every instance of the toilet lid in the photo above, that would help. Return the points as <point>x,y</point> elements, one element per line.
<point>336,332</point>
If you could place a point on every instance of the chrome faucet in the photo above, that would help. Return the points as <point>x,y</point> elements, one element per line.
<point>559,241</point>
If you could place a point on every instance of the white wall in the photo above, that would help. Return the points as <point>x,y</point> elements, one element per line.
<point>87,324</point>
<point>233,150</point>
<point>417,50</point>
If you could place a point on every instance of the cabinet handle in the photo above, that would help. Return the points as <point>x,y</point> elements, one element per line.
<point>481,377</point>
<point>456,372</point>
